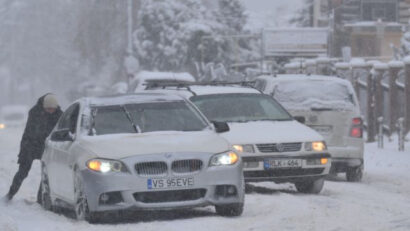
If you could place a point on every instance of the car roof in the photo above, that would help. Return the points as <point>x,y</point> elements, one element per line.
<point>130,98</point>
<point>299,77</point>
<point>192,90</point>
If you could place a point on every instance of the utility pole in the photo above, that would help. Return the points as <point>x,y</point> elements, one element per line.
<point>131,63</point>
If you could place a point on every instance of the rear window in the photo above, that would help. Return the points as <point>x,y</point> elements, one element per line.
<point>313,94</point>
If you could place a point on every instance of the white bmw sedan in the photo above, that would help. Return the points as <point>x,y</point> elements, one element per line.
<point>142,151</point>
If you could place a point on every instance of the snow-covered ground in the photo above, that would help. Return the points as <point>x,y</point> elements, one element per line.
<point>380,202</point>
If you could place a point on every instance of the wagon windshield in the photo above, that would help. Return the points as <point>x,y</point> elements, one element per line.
<point>147,117</point>
<point>313,95</point>
<point>240,107</point>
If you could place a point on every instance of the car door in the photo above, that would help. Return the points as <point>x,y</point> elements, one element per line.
<point>62,167</point>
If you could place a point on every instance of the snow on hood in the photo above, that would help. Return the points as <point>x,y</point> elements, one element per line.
<point>260,132</point>
<point>120,146</point>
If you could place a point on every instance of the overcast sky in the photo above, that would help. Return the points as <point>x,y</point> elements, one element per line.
<point>271,13</point>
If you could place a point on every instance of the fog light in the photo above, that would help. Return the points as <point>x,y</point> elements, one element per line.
<point>324,161</point>
<point>104,197</point>
<point>110,198</point>
<point>226,190</point>
<point>231,190</point>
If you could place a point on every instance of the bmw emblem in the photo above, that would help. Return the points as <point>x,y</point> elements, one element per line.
<point>280,147</point>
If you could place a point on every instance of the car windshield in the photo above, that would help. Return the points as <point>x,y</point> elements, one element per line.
<point>240,107</point>
<point>316,95</point>
<point>147,117</point>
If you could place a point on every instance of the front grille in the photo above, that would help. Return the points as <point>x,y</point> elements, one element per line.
<point>151,168</point>
<point>283,172</point>
<point>186,166</point>
<point>170,196</point>
<point>285,147</point>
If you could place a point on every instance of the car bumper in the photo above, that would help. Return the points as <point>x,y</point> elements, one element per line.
<point>130,191</point>
<point>255,171</point>
<point>346,152</point>
<point>342,164</point>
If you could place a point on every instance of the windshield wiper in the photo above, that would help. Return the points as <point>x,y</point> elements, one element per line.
<point>128,114</point>
<point>321,109</point>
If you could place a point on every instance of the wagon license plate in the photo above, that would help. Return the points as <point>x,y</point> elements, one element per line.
<point>170,183</point>
<point>282,163</point>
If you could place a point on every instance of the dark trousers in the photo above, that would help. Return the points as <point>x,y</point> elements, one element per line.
<point>24,168</point>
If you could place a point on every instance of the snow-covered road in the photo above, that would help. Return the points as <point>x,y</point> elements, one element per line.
<point>380,202</point>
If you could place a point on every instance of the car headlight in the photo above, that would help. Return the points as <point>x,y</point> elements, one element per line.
<point>317,146</point>
<point>228,158</point>
<point>2,126</point>
<point>105,166</point>
<point>244,148</point>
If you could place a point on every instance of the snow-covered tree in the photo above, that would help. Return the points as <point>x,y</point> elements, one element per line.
<point>232,14</point>
<point>304,15</point>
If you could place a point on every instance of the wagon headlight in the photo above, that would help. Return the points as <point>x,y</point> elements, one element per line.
<point>105,166</point>
<point>2,126</point>
<point>244,148</point>
<point>228,158</point>
<point>317,146</point>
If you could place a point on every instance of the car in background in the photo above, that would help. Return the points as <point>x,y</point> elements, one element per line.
<point>142,78</point>
<point>273,146</point>
<point>13,116</point>
<point>330,106</point>
<point>143,152</point>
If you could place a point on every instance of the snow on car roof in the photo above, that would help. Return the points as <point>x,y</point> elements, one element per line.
<point>131,98</point>
<point>299,77</point>
<point>146,75</point>
<point>207,90</point>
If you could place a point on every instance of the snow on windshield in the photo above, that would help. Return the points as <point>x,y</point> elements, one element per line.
<point>313,94</point>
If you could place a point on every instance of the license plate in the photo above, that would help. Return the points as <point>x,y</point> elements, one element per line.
<point>322,129</point>
<point>283,163</point>
<point>170,183</point>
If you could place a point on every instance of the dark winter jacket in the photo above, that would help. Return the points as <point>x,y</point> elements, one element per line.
<point>38,127</point>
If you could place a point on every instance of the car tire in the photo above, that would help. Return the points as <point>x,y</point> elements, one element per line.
<point>311,187</point>
<point>354,174</point>
<point>46,202</point>
<point>81,208</point>
<point>231,210</point>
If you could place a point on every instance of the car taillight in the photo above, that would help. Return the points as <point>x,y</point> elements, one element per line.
<point>357,128</point>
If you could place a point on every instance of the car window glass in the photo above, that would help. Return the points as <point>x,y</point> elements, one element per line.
<point>69,118</point>
<point>240,107</point>
<point>149,117</point>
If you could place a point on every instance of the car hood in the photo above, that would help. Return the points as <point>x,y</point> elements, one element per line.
<point>260,132</point>
<point>120,146</point>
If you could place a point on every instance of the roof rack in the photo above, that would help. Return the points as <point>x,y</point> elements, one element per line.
<point>180,84</point>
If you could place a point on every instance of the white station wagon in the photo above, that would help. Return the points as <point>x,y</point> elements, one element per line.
<point>273,146</point>
<point>330,106</point>
<point>143,152</point>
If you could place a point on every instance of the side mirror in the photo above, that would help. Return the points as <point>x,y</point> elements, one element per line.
<point>300,119</point>
<point>62,135</point>
<point>221,127</point>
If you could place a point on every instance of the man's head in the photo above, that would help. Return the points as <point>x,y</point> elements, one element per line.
<point>50,103</point>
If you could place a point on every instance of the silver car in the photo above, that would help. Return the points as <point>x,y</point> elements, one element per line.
<point>328,105</point>
<point>143,152</point>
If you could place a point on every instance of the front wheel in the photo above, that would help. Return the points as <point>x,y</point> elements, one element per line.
<point>81,207</point>
<point>231,210</point>
<point>311,187</point>
<point>354,174</point>
<point>45,197</point>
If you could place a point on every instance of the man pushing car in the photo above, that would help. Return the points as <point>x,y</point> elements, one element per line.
<point>41,120</point>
